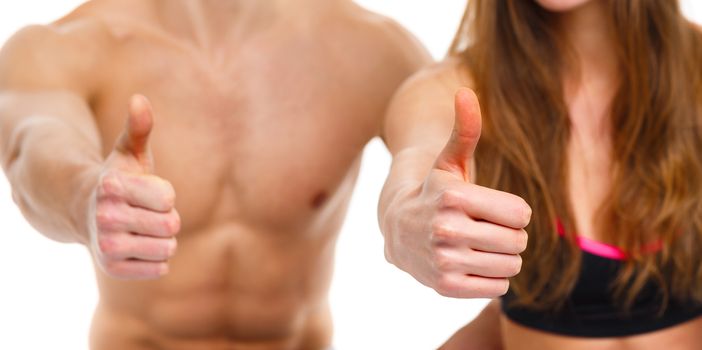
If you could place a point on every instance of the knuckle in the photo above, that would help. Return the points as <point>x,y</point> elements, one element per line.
<point>106,219</point>
<point>109,185</point>
<point>442,261</point>
<point>441,231</point>
<point>112,268</point>
<point>108,246</point>
<point>445,286</point>
<point>388,254</point>
<point>448,198</point>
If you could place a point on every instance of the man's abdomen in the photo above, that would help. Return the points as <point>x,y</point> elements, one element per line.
<point>229,286</point>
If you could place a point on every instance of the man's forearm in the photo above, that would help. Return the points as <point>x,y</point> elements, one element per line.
<point>51,163</point>
<point>51,183</point>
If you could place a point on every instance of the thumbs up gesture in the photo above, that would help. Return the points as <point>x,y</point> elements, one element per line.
<point>132,218</point>
<point>461,239</point>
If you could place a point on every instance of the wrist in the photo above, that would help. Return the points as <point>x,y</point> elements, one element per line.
<point>395,212</point>
<point>84,185</point>
<point>393,202</point>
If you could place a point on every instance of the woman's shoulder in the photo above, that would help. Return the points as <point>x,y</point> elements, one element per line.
<point>442,77</point>
<point>427,97</point>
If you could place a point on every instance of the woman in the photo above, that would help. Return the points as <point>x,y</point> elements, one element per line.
<point>591,113</point>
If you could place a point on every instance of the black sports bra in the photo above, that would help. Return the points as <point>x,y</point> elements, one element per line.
<point>591,311</point>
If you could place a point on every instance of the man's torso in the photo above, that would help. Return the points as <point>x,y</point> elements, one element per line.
<point>262,139</point>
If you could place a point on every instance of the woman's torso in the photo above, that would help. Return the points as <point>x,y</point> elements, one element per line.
<point>685,336</point>
<point>589,178</point>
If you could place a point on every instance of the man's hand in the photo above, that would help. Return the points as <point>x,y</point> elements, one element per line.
<point>132,218</point>
<point>459,238</point>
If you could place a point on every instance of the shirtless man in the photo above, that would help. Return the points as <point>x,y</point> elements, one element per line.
<point>254,113</point>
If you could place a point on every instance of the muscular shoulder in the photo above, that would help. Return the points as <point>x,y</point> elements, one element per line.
<point>381,53</point>
<point>393,45</point>
<point>60,55</point>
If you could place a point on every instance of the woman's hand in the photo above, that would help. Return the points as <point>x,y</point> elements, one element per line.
<point>459,238</point>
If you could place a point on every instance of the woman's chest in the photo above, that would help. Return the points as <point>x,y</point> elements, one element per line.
<point>589,179</point>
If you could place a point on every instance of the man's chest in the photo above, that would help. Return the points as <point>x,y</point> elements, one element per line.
<point>267,141</point>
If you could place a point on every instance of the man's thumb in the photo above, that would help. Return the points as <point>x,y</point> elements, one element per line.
<point>135,136</point>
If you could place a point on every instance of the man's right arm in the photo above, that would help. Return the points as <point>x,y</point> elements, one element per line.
<point>50,147</point>
<point>51,153</point>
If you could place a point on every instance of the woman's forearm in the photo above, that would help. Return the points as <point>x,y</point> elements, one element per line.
<point>483,333</point>
<point>409,169</point>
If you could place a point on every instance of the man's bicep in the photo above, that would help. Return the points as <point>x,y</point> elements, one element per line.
<point>51,70</point>
<point>55,57</point>
<point>42,85</point>
<point>57,118</point>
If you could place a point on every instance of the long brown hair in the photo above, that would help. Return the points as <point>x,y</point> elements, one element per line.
<point>515,58</point>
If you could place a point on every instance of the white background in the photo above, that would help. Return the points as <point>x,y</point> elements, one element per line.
<point>48,292</point>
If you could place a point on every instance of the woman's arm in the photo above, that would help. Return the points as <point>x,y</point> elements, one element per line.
<point>483,333</point>
<point>461,239</point>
